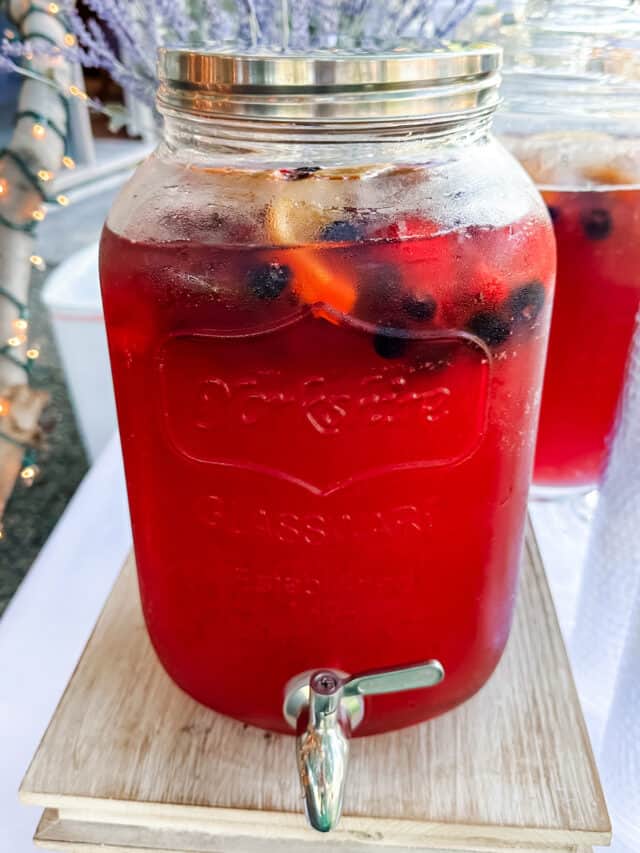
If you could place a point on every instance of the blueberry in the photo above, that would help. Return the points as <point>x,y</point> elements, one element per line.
<point>389,346</point>
<point>341,231</point>
<point>300,173</point>
<point>268,281</point>
<point>490,327</point>
<point>525,303</point>
<point>554,212</point>
<point>420,309</point>
<point>596,223</point>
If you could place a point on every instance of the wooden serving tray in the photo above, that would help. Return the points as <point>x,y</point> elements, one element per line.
<point>131,764</point>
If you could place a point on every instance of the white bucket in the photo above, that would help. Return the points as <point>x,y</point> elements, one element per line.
<point>72,296</point>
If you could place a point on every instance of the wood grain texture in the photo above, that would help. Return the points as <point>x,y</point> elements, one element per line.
<point>510,769</point>
<point>88,837</point>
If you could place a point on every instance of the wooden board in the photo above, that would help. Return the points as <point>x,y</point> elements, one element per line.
<point>89,837</point>
<point>131,762</point>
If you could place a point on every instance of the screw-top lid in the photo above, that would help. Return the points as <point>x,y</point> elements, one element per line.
<point>439,81</point>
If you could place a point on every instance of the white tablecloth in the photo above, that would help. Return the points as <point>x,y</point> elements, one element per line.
<point>49,620</point>
<point>45,628</point>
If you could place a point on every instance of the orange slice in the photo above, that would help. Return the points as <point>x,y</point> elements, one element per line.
<point>315,279</point>
<point>609,174</point>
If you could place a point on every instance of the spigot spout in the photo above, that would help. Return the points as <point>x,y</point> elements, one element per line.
<point>323,751</point>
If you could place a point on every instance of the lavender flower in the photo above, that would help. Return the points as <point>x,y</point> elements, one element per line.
<point>299,25</point>
<point>219,22</point>
<point>326,20</point>
<point>270,21</point>
<point>138,27</point>
<point>6,63</point>
<point>124,21</point>
<point>448,20</point>
<point>175,18</point>
<point>411,16</point>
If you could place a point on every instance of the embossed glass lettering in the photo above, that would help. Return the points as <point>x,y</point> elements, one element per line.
<point>233,518</point>
<point>389,416</point>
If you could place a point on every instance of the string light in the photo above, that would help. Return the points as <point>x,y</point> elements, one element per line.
<point>77,93</point>
<point>40,129</point>
<point>29,474</point>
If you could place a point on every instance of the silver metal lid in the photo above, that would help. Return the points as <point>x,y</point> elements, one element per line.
<point>440,82</point>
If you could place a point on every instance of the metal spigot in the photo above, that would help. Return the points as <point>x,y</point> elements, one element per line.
<point>324,707</point>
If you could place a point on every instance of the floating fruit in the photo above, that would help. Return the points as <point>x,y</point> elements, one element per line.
<point>562,156</point>
<point>421,310</point>
<point>268,281</point>
<point>357,173</point>
<point>596,223</point>
<point>427,258</point>
<point>486,285</point>
<point>341,231</point>
<point>525,303</point>
<point>295,221</point>
<point>298,174</point>
<point>490,327</point>
<point>389,345</point>
<point>608,174</point>
<point>316,279</point>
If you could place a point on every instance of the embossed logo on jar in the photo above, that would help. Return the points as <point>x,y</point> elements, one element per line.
<point>385,396</point>
<point>237,519</point>
<point>230,402</point>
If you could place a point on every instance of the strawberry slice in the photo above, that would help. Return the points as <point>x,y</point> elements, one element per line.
<point>485,285</point>
<point>425,259</point>
<point>499,260</point>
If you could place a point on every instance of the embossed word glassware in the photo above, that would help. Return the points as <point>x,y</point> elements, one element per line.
<point>327,297</point>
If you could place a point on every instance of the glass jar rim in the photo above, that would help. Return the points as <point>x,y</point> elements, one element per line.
<point>431,82</point>
<point>576,58</point>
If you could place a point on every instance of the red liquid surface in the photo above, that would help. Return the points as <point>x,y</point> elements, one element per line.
<point>300,500</point>
<point>597,298</point>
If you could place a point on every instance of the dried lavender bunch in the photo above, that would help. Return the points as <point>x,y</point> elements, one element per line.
<point>123,35</point>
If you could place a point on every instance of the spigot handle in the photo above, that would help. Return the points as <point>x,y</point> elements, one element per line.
<point>395,680</point>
